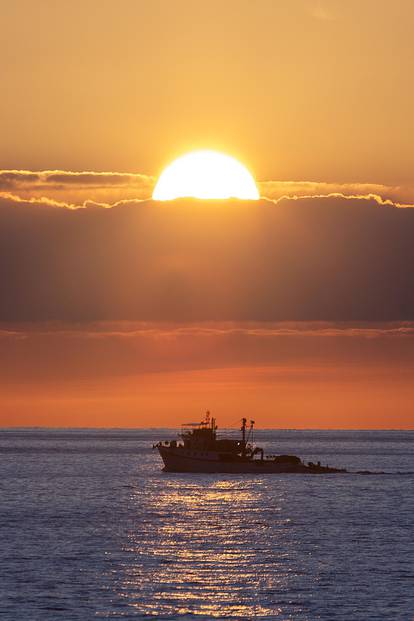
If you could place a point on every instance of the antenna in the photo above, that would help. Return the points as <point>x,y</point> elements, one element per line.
<point>250,434</point>
<point>251,429</point>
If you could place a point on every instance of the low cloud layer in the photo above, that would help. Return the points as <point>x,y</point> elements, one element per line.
<point>124,374</point>
<point>309,259</point>
<point>70,352</point>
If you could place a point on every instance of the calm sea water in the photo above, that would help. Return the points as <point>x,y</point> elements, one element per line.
<point>92,528</point>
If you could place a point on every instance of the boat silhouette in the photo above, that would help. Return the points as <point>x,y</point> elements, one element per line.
<point>201,450</point>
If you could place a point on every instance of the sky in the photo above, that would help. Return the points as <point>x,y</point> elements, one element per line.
<point>297,309</point>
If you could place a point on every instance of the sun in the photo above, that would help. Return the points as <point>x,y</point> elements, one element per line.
<point>205,174</point>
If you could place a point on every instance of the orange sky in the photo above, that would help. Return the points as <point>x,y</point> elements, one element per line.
<point>302,90</point>
<point>135,375</point>
<point>297,309</point>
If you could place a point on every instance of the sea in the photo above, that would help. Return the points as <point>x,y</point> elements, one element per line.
<point>92,528</point>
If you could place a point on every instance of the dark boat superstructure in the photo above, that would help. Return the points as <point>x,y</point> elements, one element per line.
<point>200,450</point>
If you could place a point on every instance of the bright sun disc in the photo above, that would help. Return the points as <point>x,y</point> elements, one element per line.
<point>205,174</point>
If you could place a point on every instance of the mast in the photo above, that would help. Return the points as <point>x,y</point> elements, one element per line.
<point>243,430</point>
<point>211,421</point>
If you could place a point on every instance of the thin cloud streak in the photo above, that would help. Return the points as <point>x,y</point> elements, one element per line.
<point>33,180</point>
<point>162,331</point>
<point>109,188</point>
<point>400,196</point>
<point>76,188</point>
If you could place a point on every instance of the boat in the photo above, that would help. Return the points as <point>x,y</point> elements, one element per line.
<point>199,449</point>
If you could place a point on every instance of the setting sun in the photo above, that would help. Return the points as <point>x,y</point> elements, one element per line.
<point>205,174</point>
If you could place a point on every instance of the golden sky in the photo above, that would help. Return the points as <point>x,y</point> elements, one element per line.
<point>116,310</point>
<point>309,90</point>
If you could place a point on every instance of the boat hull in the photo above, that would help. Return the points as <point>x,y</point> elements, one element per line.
<point>176,460</point>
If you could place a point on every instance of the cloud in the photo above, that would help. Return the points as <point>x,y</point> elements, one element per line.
<point>68,352</point>
<point>289,374</point>
<point>400,196</point>
<point>310,259</point>
<point>76,188</point>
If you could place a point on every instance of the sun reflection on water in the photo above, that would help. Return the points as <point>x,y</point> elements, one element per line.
<point>201,547</point>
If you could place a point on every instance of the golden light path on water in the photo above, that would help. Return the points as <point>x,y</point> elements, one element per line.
<point>194,550</point>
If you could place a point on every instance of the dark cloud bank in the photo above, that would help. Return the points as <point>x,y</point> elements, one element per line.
<point>329,259</point>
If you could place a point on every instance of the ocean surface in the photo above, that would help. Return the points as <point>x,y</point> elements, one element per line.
<point>91,528</point>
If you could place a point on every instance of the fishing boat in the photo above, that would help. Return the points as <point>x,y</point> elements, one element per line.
<point>199,449</point>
